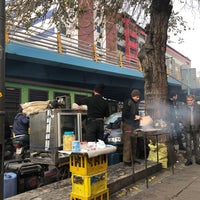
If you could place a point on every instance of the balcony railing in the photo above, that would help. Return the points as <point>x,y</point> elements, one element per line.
<point>50,40</point>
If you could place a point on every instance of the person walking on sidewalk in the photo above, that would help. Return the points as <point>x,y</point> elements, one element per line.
<point>174,119</point>
<point>130,122</point>
<point>191,123</point>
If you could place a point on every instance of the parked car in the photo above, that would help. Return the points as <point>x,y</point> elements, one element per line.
<point>113,131</point>
<point>113,134</point>
<point>112,126</point>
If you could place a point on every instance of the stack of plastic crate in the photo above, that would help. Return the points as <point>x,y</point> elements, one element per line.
<point>89,177</point>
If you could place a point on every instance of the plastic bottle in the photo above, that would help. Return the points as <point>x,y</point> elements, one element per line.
<point>68,137</point>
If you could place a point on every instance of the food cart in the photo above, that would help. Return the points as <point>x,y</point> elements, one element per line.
<point>46,134</point>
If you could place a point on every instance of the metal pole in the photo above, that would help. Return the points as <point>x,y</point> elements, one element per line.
<point>2,94</point>
<point>188,81</point>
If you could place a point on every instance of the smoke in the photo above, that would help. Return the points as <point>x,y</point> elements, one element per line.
<point>158,110</point>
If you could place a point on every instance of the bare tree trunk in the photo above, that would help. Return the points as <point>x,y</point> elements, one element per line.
<point>152,58</point>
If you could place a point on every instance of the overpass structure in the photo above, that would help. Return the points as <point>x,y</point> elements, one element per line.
<point>57,60</point>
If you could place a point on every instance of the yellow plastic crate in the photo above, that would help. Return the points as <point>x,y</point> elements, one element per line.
<point>82,165</point>
<point>89,185</point>
<point>104,195</point>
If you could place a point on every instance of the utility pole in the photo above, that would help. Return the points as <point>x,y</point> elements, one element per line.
<point>188,81</point>
<point>2,94</point>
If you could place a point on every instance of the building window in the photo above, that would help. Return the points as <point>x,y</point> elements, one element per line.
<point>131,27</point>
<point>133,51</point>
<point>99,45</point>
<point>98,13</point>
<point>132,39</point>
<point>38,95</point>
<point>133,63</point>
<point>62,28</point>
<point>12,102</point>
<point>120,36</point>
<point>98,29</point>
<point>121,48</point>
<point>122,24</point>
<point>142,36</point>
<point>140,45</point>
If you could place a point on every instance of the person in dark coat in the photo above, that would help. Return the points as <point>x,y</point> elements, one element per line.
<point>21,124</point>
<point>130,122</point>
<point>191,123</point>
<point>97,109</point>
<point>174,119</point>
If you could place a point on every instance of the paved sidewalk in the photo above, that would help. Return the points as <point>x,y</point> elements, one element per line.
<point>184,184</point>
<point>119,177</point>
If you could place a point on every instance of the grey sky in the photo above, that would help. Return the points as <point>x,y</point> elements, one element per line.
<point>191,44</point>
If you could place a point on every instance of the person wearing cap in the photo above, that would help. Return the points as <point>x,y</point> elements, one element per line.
<point>97,109</point>
<point>131,121</point>
<point>174,119</point>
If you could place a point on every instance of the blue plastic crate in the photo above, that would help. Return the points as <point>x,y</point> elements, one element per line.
<point>114,158</point>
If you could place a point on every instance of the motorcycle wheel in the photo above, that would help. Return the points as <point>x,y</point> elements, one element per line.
<point>9,152</point>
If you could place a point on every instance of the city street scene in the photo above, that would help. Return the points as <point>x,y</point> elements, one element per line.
<point>99,100</point>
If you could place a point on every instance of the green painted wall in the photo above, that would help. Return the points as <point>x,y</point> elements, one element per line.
<point>25,89</point>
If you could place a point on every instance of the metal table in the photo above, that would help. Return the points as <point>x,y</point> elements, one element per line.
<point>148,133</point>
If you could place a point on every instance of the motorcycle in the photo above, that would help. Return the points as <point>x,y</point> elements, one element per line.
<point>9,149</point>
<point>21,145</point>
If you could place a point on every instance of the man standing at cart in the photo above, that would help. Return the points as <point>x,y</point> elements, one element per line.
<point>130,122</point>
<point>97,109</point>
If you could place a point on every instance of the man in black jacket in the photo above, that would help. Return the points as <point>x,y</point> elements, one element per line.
<point>174,118</point>
<point>130,121</point>
<point>97,109</point>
